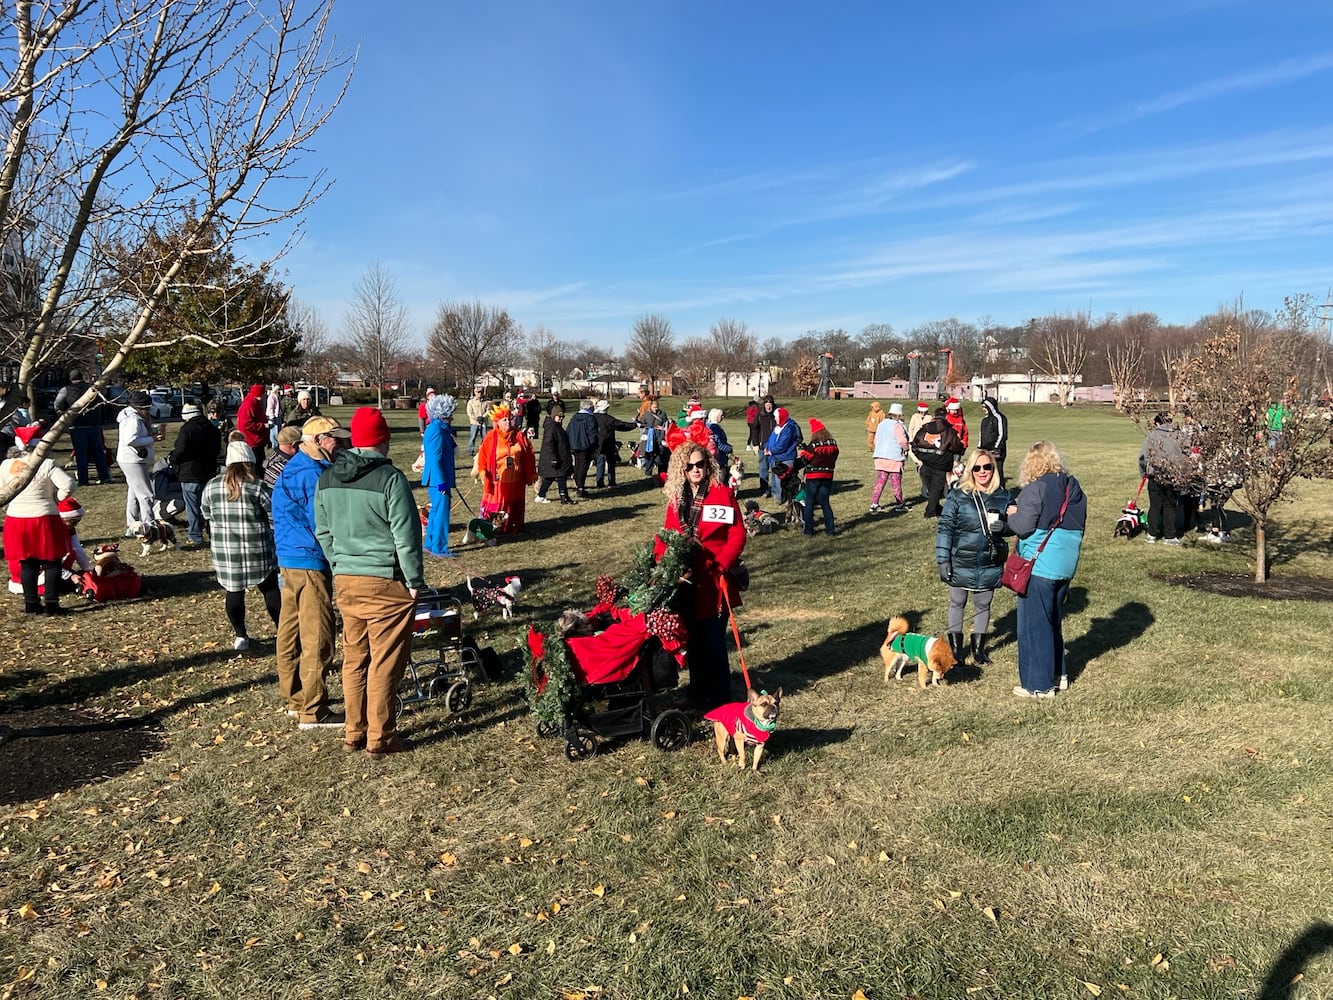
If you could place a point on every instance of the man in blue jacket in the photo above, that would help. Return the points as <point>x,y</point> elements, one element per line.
<point>781,447</point>
<point>305,625</point>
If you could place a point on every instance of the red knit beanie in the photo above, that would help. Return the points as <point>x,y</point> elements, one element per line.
<point>816,425</point>
<point>369,428</point>
<point>782,415</point>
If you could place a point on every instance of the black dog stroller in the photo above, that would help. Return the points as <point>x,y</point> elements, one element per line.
<point>442,661</point>
<point>610,684</point>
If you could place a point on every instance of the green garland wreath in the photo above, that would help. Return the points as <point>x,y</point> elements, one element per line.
<point>650,585</point>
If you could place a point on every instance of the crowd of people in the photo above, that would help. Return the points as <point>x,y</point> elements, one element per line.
<point>301,509</point>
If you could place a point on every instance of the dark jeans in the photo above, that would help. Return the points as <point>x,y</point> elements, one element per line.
<point>561,483</point>
<point>817,492</point>
<point>1163,508</point>
<point>936,482</point>
<point>999,469</point>
<point>606,469</point>
<point>475,432</point>
<point>763,474</point>
<point>194,516</point>
<point>706,657</point>
<point>86,443</point>
<point>1041,639</point>
<point>582,459</point>
<point>236,604</point>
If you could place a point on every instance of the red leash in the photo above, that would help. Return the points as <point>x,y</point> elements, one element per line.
<point>745,673</point>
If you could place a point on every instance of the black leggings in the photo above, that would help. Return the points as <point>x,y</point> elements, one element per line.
<point>236,603</point>
<point>28,571</point>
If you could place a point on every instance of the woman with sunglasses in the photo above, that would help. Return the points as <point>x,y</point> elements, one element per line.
<point>704,508</point>
<point>970,550</point>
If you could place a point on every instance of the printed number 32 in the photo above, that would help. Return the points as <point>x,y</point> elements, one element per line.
<point>716,513</point>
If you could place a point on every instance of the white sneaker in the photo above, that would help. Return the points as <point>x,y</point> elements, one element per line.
<point>1151,539</point>
<point>874,508</point>
<point>1064,682</point>
<point>241,644</point>
<point>1022,692</point>
<point>540,499</point>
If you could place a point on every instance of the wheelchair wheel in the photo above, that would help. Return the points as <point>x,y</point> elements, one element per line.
<point>580,747</point>
<point>436,687</point>
<point>547,730</point>
<point>671,731</point>
<point>458,697</point>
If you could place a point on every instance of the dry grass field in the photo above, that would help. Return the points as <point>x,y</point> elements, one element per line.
<point>1160,830</point>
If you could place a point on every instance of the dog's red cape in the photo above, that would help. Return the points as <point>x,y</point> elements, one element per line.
<point>730,714</point>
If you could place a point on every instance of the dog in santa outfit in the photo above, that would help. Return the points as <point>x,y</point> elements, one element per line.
<point>745,723</point>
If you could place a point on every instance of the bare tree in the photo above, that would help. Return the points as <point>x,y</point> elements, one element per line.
<point>468,338</point>
<point>121,115</point>
<point>734,348</point>
<point>651,350</point>
<point>319,361</point>
<point>1061,352</point>
<point>697,361</point>
<point>1125,363</point>
<point>1260,426</point>
<point>375,327</point>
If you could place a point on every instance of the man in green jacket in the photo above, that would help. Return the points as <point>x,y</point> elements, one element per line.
<point>368,525</point>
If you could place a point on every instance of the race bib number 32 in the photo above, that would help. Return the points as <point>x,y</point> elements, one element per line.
<point>716,513</point>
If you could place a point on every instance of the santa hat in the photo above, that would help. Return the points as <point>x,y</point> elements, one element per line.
<point>922,407</point>
<point>952,403</point>
<point>70,509</point>
<point>695,413</point>
<point>782,414</point>
<point>816,425</point>
<point>26,434</point>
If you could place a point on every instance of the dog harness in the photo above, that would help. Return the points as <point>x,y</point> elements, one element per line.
<point>913,645</point>
<point>738,714</point>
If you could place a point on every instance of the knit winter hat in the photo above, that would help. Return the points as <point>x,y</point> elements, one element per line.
<point>369,428</point>
<point>782,414</point>
<point>239,451</point>
<point>70,509</point>
<point>189,411</point>
<point>816,425</point>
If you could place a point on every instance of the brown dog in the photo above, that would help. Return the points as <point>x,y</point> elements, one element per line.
<point>930,653</point>
<point>745,723</point>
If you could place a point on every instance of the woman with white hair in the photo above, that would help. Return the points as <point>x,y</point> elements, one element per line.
<point>437,475</point>
<point>719,437</point>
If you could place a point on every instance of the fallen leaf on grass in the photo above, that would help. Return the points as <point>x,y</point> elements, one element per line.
<point>1093,988</point>
<point>27,912</point>
<point>989,911</point>
<point>363,868</point>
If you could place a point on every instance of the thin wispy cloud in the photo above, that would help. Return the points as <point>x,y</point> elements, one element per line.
<point>1287,71</point>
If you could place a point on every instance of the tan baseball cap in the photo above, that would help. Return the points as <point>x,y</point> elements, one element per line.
<point>316,426</point>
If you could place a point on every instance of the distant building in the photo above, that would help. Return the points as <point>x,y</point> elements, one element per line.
<point>744,384</point>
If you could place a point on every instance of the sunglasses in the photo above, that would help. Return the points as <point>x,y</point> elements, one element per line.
<point>697,465</point>
<point>983,468</point>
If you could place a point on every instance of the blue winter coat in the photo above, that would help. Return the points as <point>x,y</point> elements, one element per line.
<point>960,542</point>
<point>293,505</point>
<point>438,450</point>
<point>783,441</point>
<point>1038,507</point>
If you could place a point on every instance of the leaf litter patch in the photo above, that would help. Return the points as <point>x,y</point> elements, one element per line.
<point>56,748</point>
<point>1277,588</point>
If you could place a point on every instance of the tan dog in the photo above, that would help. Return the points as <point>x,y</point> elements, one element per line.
<point>931,654</point>
<point>745,723</point>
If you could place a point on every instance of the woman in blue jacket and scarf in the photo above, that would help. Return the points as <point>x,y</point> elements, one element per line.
<point>1047,490</point>
<point>437,475</point>
<point>970,551</point>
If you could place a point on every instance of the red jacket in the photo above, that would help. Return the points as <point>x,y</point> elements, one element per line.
<point>721,537</point>
<point>251,419</point>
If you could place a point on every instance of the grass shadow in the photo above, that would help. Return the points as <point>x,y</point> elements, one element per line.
<point>1120,628</point>
<point>1287,969</point>
<point>838,653</point>
<point>1297,538</point>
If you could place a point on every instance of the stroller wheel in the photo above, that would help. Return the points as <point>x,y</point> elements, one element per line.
<point>580,747</point>
<point>547,730</point>
<point>671,731</point>
<point>458,697</point>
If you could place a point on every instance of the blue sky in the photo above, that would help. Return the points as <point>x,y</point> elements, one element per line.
<point>804,166</point>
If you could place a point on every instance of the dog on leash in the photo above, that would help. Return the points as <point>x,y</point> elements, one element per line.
<point>745,723</point>
<point>486,595</point>
<point>930,653</point>
<point>736,472</point>
<point>150,533</point>
<point>481,529</point>
<point>1127,525</point>
<point>757,522</point>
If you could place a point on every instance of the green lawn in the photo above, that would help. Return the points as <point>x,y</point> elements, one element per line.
<point>1160,830</point>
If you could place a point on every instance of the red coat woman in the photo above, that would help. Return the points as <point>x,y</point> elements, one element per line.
<point>506,467</point>
<point>252,421</point>
<point>701,506</point>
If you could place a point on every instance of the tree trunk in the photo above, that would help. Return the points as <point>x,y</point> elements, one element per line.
<point>1260,552</point>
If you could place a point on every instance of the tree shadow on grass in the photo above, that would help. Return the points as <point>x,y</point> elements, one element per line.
<point>1287,969</point>
<point>1295,538</point>
<point>833,655</point>
<point>1104,633</point>
<point>581,518</point>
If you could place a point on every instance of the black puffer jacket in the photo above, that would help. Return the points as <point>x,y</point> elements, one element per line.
<point>960,544</point>
<point>555,461</point>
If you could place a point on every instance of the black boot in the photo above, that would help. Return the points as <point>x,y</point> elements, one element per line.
<point>958,646</point>
<point>979,655</point>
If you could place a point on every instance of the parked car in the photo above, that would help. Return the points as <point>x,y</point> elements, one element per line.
<point>166,403</point>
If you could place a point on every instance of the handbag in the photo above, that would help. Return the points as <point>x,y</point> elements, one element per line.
<point>1017,571</point>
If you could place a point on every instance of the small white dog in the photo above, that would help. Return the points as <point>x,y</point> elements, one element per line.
<point>736,475</point>
<point>150,533</point>
<point>487,595</point>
